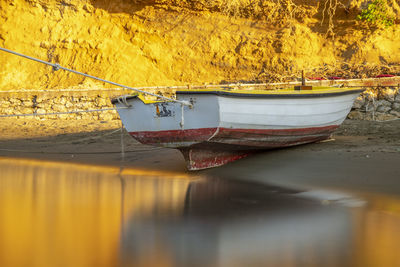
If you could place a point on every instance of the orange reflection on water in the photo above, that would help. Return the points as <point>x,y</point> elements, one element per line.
<point>58,214</point>
<point>377,238</point>
<point>68,215</point>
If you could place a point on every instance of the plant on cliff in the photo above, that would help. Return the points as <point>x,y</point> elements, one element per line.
<point>377,13</point>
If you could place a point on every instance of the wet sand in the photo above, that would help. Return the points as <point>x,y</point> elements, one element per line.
<point>82,141</point>
<point>362,155</point>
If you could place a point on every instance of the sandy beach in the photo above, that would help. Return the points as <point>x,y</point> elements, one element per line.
<point>82,141</point>
<point>362,155</point>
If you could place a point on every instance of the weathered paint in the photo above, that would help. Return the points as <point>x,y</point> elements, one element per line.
<point>223,127</point>
<point>173,138</point>
<point>253,138</point>
<point>198,158</point>
<point>213,147</point>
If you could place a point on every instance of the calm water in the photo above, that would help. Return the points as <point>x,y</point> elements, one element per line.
<point>75,215</point>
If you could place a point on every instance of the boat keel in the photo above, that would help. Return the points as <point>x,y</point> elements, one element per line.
<point>203,158</point>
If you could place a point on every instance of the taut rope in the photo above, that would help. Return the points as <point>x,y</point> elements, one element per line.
<point>58,67</point>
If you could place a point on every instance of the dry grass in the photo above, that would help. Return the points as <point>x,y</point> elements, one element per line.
<point>343,70</point>
<point>273,11</point>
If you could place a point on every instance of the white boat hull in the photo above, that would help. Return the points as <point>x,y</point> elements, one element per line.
<point>222,128</point>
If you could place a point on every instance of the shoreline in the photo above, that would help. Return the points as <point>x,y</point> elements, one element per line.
<point>99,142</point>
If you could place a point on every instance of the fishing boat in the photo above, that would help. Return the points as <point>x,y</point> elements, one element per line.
<point>212,127</point>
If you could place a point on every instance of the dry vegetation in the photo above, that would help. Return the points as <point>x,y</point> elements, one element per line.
<point>168,42</point>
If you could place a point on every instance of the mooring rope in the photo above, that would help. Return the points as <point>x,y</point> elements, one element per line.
<point>122,143</point>
<point>212,86</point>
<point>58,67</point>
<point>77,153</point>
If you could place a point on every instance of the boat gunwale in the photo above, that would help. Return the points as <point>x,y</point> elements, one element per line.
<point>274,94</point>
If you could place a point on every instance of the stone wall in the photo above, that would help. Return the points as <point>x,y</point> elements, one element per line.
<point>377,103</point>
<point>54,101</point>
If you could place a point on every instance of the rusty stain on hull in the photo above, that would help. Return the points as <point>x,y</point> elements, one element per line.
<point>213,147</point>
<point>198,158</point>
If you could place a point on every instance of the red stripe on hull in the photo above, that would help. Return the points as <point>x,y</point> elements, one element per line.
<point>259,139</point>
<point>240,137</point>
<point>159,137</point>
<point>212,148</point>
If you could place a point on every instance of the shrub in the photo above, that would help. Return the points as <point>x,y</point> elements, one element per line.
<point>377,13</point>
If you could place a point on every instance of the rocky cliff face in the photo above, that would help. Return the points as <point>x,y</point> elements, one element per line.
<point>169,42</point>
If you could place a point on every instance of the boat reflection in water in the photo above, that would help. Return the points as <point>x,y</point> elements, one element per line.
<point>74,215</point>
<point>234,224</point>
